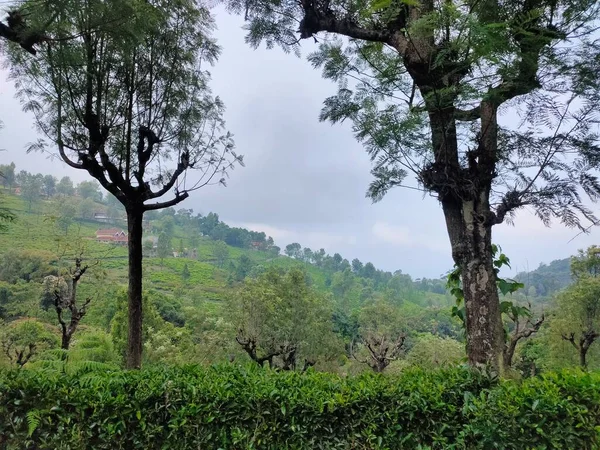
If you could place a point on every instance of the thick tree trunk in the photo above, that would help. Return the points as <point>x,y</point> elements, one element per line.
<point>485,341</point>
<point>134,336</point>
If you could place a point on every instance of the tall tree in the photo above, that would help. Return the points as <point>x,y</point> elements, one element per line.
<point>6,216</point>
<point>65,211</point>
<point>89,190</point>
<point>129,103</point>
<point>423,83</point>
<point>31,187</point>
<point>49,184</point>
<point>65,187</point>
<point>220,252</point>
<point>163,246</point>
<point>7,174</point>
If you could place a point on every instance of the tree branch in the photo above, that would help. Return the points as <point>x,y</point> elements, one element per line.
<point>323,19</point>
<point>179,197</point>
<point>469,115</point>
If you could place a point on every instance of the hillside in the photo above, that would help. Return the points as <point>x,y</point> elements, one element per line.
<point>190,279</point>
<point>547,279</point>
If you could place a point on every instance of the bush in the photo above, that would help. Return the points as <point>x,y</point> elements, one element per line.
<point>241,408</point>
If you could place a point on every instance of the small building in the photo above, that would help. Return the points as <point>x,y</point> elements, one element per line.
<point>100,216</point>
<point>112,236</point>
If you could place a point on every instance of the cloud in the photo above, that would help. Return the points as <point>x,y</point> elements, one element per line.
<point>402,236</point>
<point>312,239</point>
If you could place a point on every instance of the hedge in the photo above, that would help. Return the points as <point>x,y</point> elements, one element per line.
<point>247,408</point>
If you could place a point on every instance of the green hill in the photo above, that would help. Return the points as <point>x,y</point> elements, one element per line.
<point>188,281</point>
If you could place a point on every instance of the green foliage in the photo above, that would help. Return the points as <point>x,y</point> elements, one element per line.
<point>247,408</point>
<point>89,190</point>
<point>430,352</point>
<point>27,265</point>
<point>220,252</point>
<point>65,187</point>
<point>185,273</point>
<point>279,315</point>
<point>163,247</point>
<point>22,340</point>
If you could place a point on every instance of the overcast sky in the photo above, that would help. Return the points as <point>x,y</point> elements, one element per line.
<point>305,181</point>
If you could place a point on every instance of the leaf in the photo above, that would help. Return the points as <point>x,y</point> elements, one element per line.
<point>33,421</point>
<point>380,4</point>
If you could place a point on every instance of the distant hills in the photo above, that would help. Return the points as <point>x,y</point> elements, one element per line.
<point>547,279</point>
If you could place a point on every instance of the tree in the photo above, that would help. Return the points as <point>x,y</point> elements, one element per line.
<point>163,246</point>
<point>369,271</point>
<point>523,326</point>
<point>89,190</point>
<point>307,255</point>
<point>66,214</point>
<point>220,252</point>
<point>6,216</point>
<point>49,185</point>
<point>382,335</point>
<point>281,321</point>
<point>31,187</point>
<point>129,104</point>
<point>148,247</point>
<point>26,265</point>
<point>64,296</point>
<point>431,351</point>
<point>243,267</point>
<point>185,273</point>
<point>65,187</point>
<point>194,237</point>
<point>577,317</point>
<point>85,209</point>
<point>7,174</point>
<point>293,250</point>
<point>357,266</point>
<point>6,296</point>
<point>22,340</point>
<point>423,83</point>
<point>519,318</point>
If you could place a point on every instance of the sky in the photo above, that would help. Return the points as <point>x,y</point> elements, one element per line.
<point>305,181</point>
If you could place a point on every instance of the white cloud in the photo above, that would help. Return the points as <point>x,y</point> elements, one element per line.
<point>402,236</point>
<point>312,239</point>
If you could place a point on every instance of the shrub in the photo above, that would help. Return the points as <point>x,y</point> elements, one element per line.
<point>246,407</point>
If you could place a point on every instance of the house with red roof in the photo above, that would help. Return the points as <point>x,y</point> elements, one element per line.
<point>112,236</point>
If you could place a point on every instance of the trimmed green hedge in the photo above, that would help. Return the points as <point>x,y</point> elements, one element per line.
<point>247,408</point>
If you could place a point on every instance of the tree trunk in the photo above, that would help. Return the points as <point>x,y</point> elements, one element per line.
<point>134,294</point>
<point>485,337</point>
<point>66,341</point>
<point>509,353</point>
<point>583,357</point>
